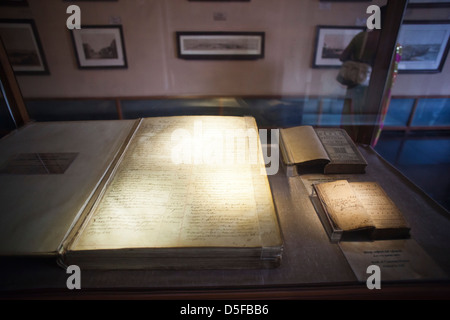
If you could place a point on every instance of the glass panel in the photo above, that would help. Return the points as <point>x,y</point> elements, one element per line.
<point>275,112</point>
<point>66,110</point>
<point>331,112</point>
<point>311,112</point>
<point>423,78</point>
<point>133,109</point>
<point>432,112</point>
<point>423,158</point>
<point>399,112</point>
<point>425,151</point>
<point>275,60</point>
<point>6,122</point>
<point>389,145</point>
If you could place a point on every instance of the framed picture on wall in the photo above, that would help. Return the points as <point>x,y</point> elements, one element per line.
<point>23,46</point>
<point>425,46</point>
<point>99,47</point>
<point>330,42</point>
<point>220,45</point>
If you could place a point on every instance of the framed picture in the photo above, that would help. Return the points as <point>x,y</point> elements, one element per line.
<point>428,3</point>
<point>99,47</point>
<point>220,45</point>
<point>330,42</point>
<point>23,46</point>
<point>425,46</point>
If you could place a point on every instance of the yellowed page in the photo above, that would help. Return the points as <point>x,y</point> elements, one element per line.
<point>338,145</point>
<point>183,183</point>
<point>382,210</point>
<point>302,144</point>
<point>343,205</point>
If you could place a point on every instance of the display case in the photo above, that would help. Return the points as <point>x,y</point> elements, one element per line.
<point>75,101</point>
<point>312,265</point>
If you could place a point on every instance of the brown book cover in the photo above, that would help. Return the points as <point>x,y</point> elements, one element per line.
<point>305,149</point>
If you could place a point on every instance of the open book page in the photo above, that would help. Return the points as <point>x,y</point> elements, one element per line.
<point>338,145</point>
<point>302,145</point>
<point>343,205</point>
<point>52,169</point>
<point>309,180</point>
<point>382,210</point>
<point>186,182</point>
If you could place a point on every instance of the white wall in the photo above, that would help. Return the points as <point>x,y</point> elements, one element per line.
<point>154,70</point>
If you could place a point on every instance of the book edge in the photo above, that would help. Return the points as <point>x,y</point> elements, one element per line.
<point>80,219</point>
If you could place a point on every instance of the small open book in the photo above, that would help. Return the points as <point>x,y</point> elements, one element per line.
<point>358,211</point>
<point>305,149</point>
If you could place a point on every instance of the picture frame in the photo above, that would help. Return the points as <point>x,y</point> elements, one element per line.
<point>330,42</point>
<point>220,45</point>
<point>425,46</point>
<point>428,3</point>
<point>23,46</point>
<point>99,47</point>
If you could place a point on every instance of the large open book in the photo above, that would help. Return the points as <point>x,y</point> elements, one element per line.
<point>358,211</point>
<point>305,149</point>
<point>172,192</point>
